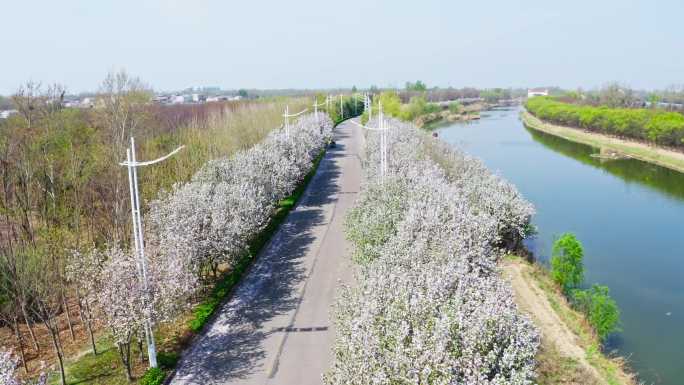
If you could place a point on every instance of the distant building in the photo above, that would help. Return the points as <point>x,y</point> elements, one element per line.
<point>177,99</point>
<point>161,99</point>
<point>71,103</point>
<point>7,113</point>
<point>532,92</point>
<point>210,89</point>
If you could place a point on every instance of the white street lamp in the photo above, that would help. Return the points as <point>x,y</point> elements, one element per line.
<point>382,128</point>
<point>370,107</point>
<point>138,240</point>
<point>316,105</point>
<point>287,117</point>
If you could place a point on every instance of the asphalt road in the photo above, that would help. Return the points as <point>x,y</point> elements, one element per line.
<point>276,328</point>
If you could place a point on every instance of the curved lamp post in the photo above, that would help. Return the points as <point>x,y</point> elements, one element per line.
<point>132,166</point>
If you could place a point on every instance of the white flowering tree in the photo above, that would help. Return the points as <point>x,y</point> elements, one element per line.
<point>83,272</point>
<point>8,364</point>
<point>190,231</point>
<point>429,305</point>
<point>211,220</point>
<point>122,301</point>
<point>8,371</point>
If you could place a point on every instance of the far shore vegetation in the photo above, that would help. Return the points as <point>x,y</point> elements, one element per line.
<point>664,157</point>
<point>428,107</point>
<point>653,125</point>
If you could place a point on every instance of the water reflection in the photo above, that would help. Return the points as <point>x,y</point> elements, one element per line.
<point>628,214</point>
<point>659,178</point>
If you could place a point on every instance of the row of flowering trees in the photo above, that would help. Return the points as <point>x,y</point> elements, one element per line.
<point>190,231</point>
<point>429,306</point>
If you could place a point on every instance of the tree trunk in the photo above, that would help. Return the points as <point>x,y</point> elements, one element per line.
<point>140,347</point>
<point>54,333</point>
<point>80,300</point>
<point>214,270</point>
<point>89,326</point>
<point>125,354</point>
<point>30,327</point>
<point>20,341</point>
<point>66,310</point>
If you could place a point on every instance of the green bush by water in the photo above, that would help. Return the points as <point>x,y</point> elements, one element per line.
<point>601,310</point>
<point>657,126</point>
<point>392,106</point>
<point>567,271</point>
<point>566,262</point>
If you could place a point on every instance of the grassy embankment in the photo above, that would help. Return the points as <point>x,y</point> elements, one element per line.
<point>650,135</point>
<point>173,338</point>
<point>648,153</point>
<point>571,351</point>
<point>421,112</point>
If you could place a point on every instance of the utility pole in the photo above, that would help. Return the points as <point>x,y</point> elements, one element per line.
<point>341,108</point>
<point>287,117</point>
<point>316,105</point>
<point>287,121</point>
<point>138,240</point>
<point>370,107</point>
<point>383,144</point>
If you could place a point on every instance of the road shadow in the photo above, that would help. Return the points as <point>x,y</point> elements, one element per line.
<point>231,348</point>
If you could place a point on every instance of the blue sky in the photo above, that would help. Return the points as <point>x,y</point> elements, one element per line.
<point>173,44</point>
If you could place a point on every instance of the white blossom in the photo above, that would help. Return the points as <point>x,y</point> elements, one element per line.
<point>121,296</point>
<point>210,220</point>
<point>428,305</point>
<point>8,364</point>
<point>8,370</point>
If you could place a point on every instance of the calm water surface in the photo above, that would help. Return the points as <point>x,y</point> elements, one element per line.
<point>629,215</point>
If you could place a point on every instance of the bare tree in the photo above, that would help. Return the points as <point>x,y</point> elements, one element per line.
<point>48,302</point>
<point>123,99</point>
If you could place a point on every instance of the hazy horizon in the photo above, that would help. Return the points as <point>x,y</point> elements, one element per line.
<point>172,45</point>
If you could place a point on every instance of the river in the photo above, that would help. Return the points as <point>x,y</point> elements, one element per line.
<point>628,214</point>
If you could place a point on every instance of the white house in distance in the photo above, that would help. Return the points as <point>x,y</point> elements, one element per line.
<point>532,92</point>
<point>7,113</point>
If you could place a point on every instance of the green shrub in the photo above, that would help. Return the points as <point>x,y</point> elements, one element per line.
<point>567,270</point>
<point>391,104</point>
<point>601,310</point>
<point>153,376</point>
<point>657,126</point>
<point>566,262</point>
<point>455,107</point>
<point>167,360</point>
<point>351,106</point>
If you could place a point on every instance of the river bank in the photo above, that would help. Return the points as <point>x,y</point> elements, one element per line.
<point>570,351</point>
<point>435,118</point>
<point>673,160</point>
<point>627,213</point>
<point>464,113</point>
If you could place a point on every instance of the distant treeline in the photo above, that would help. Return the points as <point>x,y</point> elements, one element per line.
<point>444,94</point>
<point>653,125</point>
